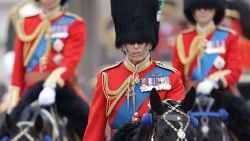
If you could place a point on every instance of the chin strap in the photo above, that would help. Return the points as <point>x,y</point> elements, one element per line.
<point>146,49</point>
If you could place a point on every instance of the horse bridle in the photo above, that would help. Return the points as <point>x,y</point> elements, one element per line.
<point>24,131</point>
<point>29,124</point>
<point>205,118</point>
<point>167,117</point>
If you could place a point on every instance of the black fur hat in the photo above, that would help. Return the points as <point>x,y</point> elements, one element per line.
<point>241,11</point>
<point>61,3</point>
<point>135,21</point>
<point>191,5</point>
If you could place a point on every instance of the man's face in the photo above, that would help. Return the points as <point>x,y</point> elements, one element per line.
<point>48,4</point>
<point>204,16</point>
<point>136,52</point>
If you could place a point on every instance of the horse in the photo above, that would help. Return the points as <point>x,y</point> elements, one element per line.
<point>166,120</point>
<point>223,117</point>
<point>211,118</point>
<point>26,130</point>
<point>60,121</point>
<point>38,124</point>
<point>238,120</point>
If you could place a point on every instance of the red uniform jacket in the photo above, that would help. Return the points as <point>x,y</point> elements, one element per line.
<point>219,57</point>
<point>244,45</point>
<point>110,103</point>
<point>67,40</point>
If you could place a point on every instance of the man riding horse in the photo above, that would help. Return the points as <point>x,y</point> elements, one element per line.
<point>207,55</point>
<point>49,46</point>
<point>122,90</point>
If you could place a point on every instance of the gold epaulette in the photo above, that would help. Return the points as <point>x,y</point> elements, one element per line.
<point>165,66</point>
<point>107,67</point>
<point>227,29</point>
<point>14,13</point>
<point>73,15</point>
<point>188,30</point>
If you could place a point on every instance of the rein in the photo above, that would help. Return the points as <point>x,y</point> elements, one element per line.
<point>24,131</point>
<point>167,117</point>
<point>28,124</point>
<point>55,131</point>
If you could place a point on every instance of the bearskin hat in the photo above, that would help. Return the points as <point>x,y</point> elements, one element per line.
<point>61,3</point>
<point>218,5</point>
<point>135,21</point>
<point>240,10</point>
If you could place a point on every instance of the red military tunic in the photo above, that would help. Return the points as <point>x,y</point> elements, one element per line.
<point>110,101</point>
<point>244,45</point>
<point>57,42</point>
<point>221,49</point>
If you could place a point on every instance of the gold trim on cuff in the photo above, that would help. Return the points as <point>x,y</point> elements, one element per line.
<point>220,75</point>
<point>55,78</point>
<point>224,82</point>
<point>14,90</point>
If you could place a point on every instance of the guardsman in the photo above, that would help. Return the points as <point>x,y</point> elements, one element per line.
<point>207,55</point>
<point>48,47</point>
<point>237,17</point>
<point>122,91</point>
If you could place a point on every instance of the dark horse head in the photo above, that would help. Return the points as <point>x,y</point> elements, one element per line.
<point>23,131</point>
<point>37,124</point>
<point>223,117</point>
<point>211,118</point>
<point>167,120</point>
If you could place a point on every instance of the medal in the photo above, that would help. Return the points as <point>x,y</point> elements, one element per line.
<point>181,134</point>
<point>60,35</point>
<point>158,82</point>
<point>219,63</point>
<point>58,59</point>
<point>60,31</point>
<point>168,87</point>
<point>215,47</point>
<point>58,45</point>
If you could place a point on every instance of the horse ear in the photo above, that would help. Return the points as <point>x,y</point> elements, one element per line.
<point>155,102</point>
<point>10,124</point>
<point>188,103</point>
<point>38,123</point>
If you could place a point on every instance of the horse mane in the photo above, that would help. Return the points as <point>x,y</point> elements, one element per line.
<point>127,132</point>
<point>239,113</point>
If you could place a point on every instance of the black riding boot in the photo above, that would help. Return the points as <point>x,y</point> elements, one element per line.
<point>69,104</point>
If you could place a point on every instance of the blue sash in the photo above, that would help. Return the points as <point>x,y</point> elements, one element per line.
<point>124,115</point>
<point>40,50</point>
<point>207,60</point>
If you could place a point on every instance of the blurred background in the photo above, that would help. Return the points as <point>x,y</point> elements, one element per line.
<point>100,47</point>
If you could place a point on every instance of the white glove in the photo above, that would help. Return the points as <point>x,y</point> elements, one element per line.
<point>205,87</point>
<point>47,96</point>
